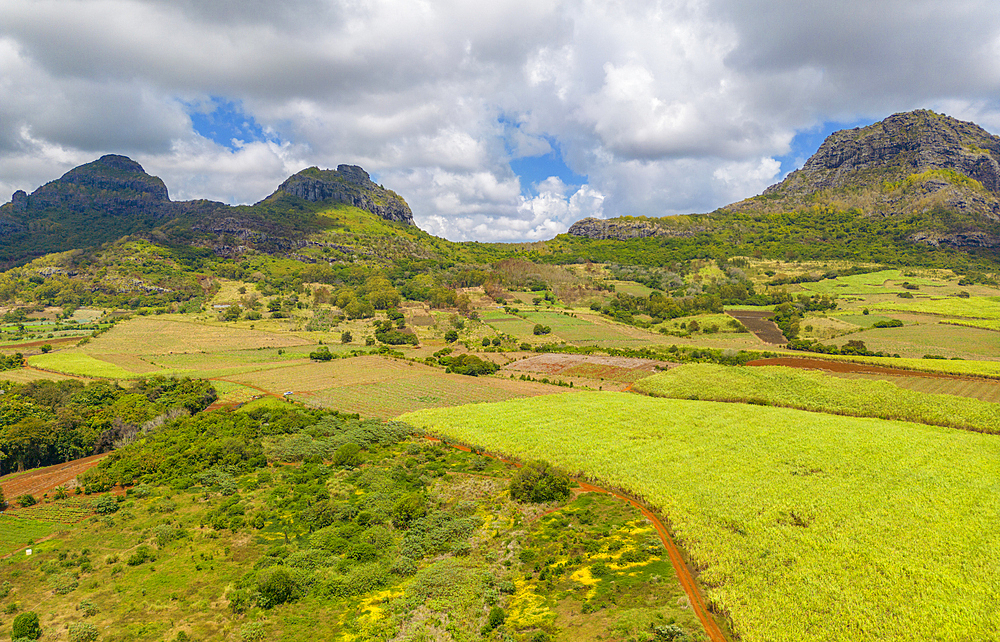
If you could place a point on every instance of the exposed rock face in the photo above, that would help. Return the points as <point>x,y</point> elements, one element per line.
<point>623,229</point>
<point>928,169</point>
<point>348,184</point>
<point>901,145</point>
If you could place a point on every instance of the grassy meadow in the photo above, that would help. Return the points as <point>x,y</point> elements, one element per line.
<point>805,526</point>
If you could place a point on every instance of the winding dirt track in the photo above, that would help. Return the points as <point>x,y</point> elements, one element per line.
<point>684,574</point>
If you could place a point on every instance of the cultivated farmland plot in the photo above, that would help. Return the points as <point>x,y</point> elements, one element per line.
<point>807,526</point>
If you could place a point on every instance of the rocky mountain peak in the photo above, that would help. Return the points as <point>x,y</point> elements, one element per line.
<point>348,184</point>
<point>901,145</point>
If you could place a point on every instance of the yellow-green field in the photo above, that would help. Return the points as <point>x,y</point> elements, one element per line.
<point>806,526</point>
<point>819,392</point>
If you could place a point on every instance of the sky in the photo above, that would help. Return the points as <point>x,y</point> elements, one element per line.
<point>500,121</point>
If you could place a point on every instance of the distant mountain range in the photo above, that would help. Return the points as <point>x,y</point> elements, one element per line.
<point>893,191</point>
<point>114,197</point>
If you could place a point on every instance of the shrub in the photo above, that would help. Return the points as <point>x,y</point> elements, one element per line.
<point>252,632</point>
<point>348,456</point>
<point>346,337</point>
<point>105,505</point>
<point>26,626</point>
<point>26,500</point>
<point>495,619</point>
<point>451,336</point>
<point>141,555</point>
<point>82,632</point>
<point>538,481</point>
<point>323,354</point>
<point>276,585</point>
<point>540,329</point>
<point>888,323</point>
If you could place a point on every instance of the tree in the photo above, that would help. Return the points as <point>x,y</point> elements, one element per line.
<point>539,481</point>
<point>451,336</point>
<point>346,337</point>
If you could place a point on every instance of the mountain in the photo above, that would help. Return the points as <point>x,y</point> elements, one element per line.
<point>929,175</point>
<point>114,197</point>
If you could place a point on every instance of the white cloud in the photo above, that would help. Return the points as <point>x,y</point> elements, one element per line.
<point>666,107</point>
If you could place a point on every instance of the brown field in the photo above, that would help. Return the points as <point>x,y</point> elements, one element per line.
<point>425,388</point>
<point>159,335</point>
<point>383,387</point>
<point>587,366</point>
<point>756,321</point>
<point>39,481</point>
<point>26,375</point>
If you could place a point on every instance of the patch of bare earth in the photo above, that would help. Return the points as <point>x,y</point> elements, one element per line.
<point>39,481</point>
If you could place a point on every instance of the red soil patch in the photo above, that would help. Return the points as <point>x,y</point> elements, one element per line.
<point>757,321</point>
<point>847,367</point>
<point>39,481</point>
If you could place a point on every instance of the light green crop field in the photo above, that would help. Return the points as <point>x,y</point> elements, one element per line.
<point>808,527</point>
<point>77,363</point>
<point>818,392</point>
<point>931,338</point>
<point>977,307</point>
<point>974,388</point>
<point>16,532</point>
<point>572,329</point>
<point>984,324</point>
<point>871,283</point>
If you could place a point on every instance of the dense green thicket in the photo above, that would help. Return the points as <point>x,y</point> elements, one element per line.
<point>47,422</point>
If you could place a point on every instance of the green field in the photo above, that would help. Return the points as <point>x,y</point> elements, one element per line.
<point>77,363</point>
<point>17,532</point>
<point>984,324</point>
<point>930,338</point>
<point>818,392</point>
<point>977,307</point>
<point>807,526</point>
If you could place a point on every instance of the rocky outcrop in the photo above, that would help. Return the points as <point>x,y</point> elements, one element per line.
<point>930,170</point>
<point>899,146</point>
<point>351,185</point>
<point>623,229</point>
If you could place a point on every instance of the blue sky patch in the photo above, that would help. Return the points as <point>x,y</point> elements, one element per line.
<point>535,169</point>
<point>224,122</point>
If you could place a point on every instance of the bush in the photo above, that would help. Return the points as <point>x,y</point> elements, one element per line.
<point>26,626</point>
<point>82,632</point>
<point>26,500</point>
<point>540,329</point>
<point>888,323</point>
<point>323,354</point>
<point>348,456</point>
<point>141,555</point>
<point>451,336</point>
<point>105,505</point>
<point>538,481</point>
<point>276,585</point>
<point>346,337</point>
<point>495,619</point>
